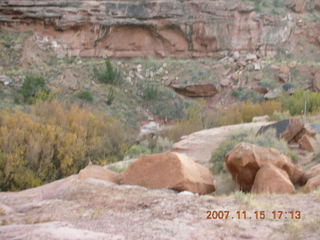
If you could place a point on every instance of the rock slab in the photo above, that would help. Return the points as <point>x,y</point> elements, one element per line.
<point>169,170</point>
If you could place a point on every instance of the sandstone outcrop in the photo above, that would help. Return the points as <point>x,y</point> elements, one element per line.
<point>286,129</point>
<point>270,179</point>
<point>245,160</point>
<point>147,28</point>
<point>169,170</point>
<point>98,172</point>
<point>312,184</point>
<point>313,172</point>
<point>307,143</point>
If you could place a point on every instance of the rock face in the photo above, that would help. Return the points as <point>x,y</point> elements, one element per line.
<point>147,28</point>
<point>286,129</point>
<point>169,170</point>
<point>270,179</point>
<point>98,172</point>
<point>245,160</point>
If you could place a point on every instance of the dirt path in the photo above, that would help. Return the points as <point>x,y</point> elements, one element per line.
<point>200,145</point>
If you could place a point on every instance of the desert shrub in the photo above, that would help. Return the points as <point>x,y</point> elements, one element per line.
<point>279,116</point>
<point>32,85</point>
<point>53,140</point>
<point>194,122</point>
<point>107,74</point>
<point>110,96</point>
<point>147,146</point>
<point>296,102</point>
<point>267,139</point>
<point>150,91</point>
<point>85,95</point>
<point>241,113</point>
<point>249,110</point>
<point>138,149</point>
<point>244,94</point>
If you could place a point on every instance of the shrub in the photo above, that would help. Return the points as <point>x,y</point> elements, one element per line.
<point>146,147</point>
<point>110,96</point>
<point>107,74</point>
<point>244,94</point>
<point>267,139</point>
<point>138,149</point>
<point>279,116</point>
<point>295,103</point>
<point>193,122</point>
<point>150,91</point>
<point>53,140</point>
<point>31,87</point>
<point>162,101</point>
<point>85,95</point>
<point>243,112</point>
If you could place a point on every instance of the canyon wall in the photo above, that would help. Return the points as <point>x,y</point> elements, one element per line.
<point>160,28</point>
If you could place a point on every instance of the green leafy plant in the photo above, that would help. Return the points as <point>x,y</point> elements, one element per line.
<point>32,85</point>
<point>110,96</point>
<point>108,74</point>
<point>85,95</point>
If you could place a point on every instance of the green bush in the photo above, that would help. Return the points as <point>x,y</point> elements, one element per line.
<point>85,95</point>
<point>107,74</point>
<point>244,94</point>
<point>150,91</point>
<point>138,149</point>
<point>267,139</point>
<point>54,140</point>
<point>32,85</point>
<point>295,103</point>
<point>110,96</point>
<point>146,147</point>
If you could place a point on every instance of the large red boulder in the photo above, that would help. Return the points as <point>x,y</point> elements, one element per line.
<point>312,184</point>
<point>286,129</point>
<point>270,179</point>
<point>245,159</point>
<point>308,143</point>
<point>313,172</point>
<point>169,170</point>
<point>98,172</point>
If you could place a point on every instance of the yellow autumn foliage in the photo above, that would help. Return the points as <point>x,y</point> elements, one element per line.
<point>53,140</point>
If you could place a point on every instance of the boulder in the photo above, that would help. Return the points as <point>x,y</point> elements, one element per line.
<point>273,94</point>
<point>98,172</point>
<point>286,129</point>
<point>225,82</point>
<point>245,160</point>
<point>169,170</point>
<point>284,69</point>
<point>283,77</point>
<point>270,179</point>
<point>305,131</point>
<point>312,184</point>
<point>307,142</point>
<point>5,80</point>
<point>196,90</point>
<point>299,5</point>
<point>313,172</point>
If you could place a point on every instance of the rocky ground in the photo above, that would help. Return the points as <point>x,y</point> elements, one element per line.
<point>94,209</point>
